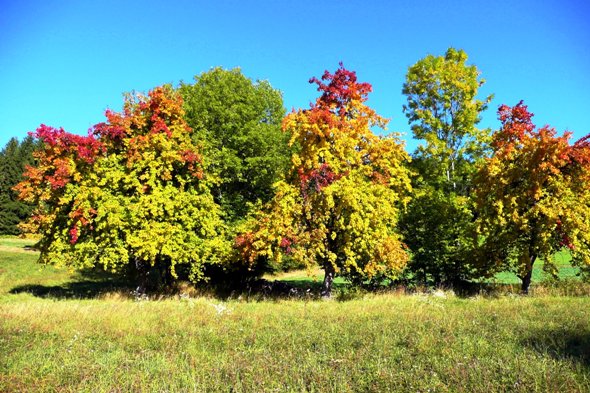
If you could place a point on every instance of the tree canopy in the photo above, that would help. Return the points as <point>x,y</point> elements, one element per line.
<point>132,192</point>
<point>532,196</point>
<point>212,179</point>
<point>443,110</point>
<point>238,123</point>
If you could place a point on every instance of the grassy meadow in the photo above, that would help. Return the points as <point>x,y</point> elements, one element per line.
<point>71,332</point>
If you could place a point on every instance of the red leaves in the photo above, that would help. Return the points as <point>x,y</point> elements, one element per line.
<point>286,245</point>
<point>85,148</point>
<point>81,219</point>
<point>244,243</point>
<point>153,114</point>
<point>73,235</point>
<point>192,159</point>
<point>160,126</point>
<point>60,158</point>
<point>143,126</point>
<point>316,179</point>
<point>516,124</point>
<point>340,90</point>
<point>580,151</point>
<point>60,176</point>
<point>113,130</point>
<point>551,152</point>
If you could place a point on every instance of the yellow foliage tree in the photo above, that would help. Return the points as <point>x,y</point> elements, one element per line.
<point>339,206</point>
<point>532,196</point>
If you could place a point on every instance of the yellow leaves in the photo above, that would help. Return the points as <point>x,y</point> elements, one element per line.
<point>530,196</point>
<point>140,199</point>
<point>340,204</point>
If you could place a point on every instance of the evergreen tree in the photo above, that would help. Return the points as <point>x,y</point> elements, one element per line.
<point>14,157</point>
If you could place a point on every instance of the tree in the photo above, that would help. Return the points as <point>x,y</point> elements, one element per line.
<point>239,124</point>
<point>13,159</point>
<point>132,192</point>
<point>437,228</point>
<point>532,196</point>
<point>339,206</point>
<point>443,111</point>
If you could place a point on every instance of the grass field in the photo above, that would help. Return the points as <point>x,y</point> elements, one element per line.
<point>69,332</point>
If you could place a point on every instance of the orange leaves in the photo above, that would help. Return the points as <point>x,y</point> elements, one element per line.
<point>541,150</point>
<point>60,161</point>
<point>244,243</point>
<point>152,126</point>
<point>532,192</point>
<point>516,125</point>
<point>336,130</point>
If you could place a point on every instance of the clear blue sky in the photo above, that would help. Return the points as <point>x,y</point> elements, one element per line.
<point>63,63</point>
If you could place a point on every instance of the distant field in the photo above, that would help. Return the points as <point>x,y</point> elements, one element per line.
<point>563,260</point>
<point>69,332</point>
<point>566,270</point>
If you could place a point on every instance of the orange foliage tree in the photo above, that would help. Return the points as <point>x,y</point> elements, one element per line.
<point>532,196</point>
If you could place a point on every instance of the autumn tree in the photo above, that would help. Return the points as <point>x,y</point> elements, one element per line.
<point>532,196</point>
<point>339,206</point>
<point>132,192</point>
<point>238,123</point>
<point>443,110</point>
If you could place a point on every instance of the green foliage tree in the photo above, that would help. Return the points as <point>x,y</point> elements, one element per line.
<point>132,193</point>
<point>238,123</point>
<point>339,206</point>
<point>13,159</point>
<point>532,196</point>
<point>443,111</point>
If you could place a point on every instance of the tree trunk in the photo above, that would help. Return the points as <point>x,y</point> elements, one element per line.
<point>328,280</point>
<point>142,276</point>
<point>526,279</point>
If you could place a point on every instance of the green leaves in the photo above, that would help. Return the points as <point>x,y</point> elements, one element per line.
<point>14,157</point>
<point>237,122</point>
<point>443,110</point>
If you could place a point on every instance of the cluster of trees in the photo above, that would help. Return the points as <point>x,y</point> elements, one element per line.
<point>212,177</point>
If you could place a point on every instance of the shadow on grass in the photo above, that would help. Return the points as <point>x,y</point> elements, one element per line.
<point>562,344</point>
<point>90,284</point>
<point>261,289</point>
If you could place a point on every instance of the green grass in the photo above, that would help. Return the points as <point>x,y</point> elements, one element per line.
<point>562,261</point>
<point>67,339</point>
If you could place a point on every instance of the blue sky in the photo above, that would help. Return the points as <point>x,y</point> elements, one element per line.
<point>63,63</point>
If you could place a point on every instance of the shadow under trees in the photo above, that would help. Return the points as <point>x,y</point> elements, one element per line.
<point>562,344</point>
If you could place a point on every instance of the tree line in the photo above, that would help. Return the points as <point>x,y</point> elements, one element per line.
<point>212,180</point>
